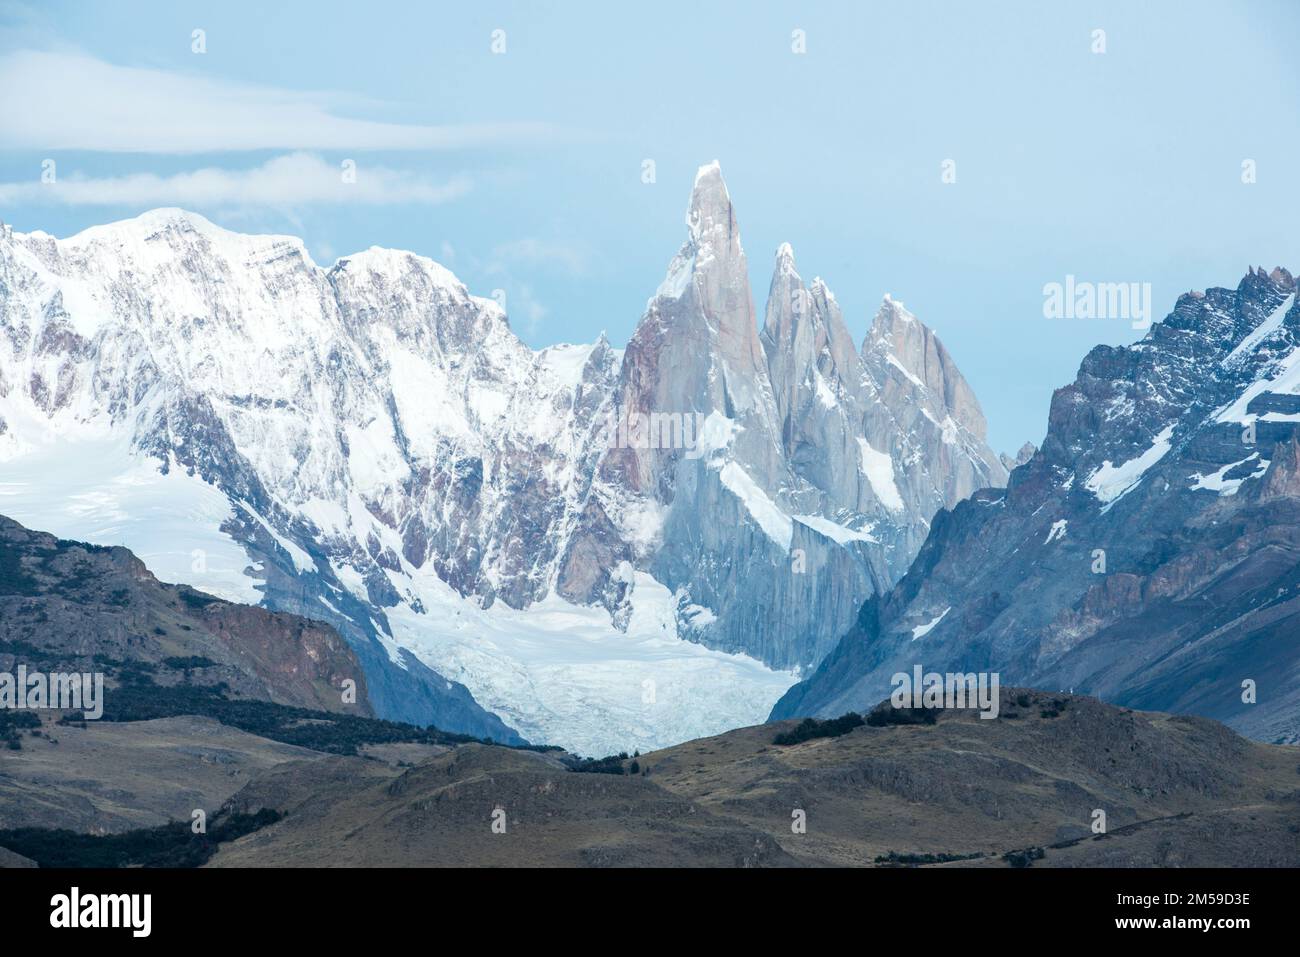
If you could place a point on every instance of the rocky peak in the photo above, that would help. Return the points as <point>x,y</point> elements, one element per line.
<point>721,286</point>
<point>384,294</point>
<point>810,354</point>
<point>1205,367</point>
<point>899,340</point>
<point>697,349</point>
<point>710,218</point>
<point>1027,452</point>
<point>782,304</point>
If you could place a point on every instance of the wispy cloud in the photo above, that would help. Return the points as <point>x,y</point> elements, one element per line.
<point>524,305</point>
<point>293,180</point>
<point>56,100</point>
<point>534,252</point>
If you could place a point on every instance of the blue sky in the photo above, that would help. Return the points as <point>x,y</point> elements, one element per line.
<point>523,170</point>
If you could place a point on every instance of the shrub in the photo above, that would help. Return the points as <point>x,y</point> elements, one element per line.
<point>188,662</point>
<point>885,714</point>
<point>168,845</point>
<point>318,730</point>
<point>1024,858</point>
<point>904,860</point>
<point>1054,708</point>
<point>197,599</point>
<point>611,764</point>
<point>11,721</point>
<point>810,728</point>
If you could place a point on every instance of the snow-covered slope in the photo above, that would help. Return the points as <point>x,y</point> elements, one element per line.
<point>370,444</point>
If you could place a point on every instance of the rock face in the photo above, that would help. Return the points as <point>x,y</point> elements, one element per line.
<point>926,417</point>
<point>1145,554</point>
<point>814,468</point>
<point>370,445</point>
<point>73,606</point>
<point>1024,455</point>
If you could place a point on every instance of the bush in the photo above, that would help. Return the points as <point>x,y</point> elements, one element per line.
<point>611,764</point>
<point>187,663</point>
<point>197,600</point>
<point>1054,708</point>
<point>810,728</point>
<point>1024,858</point>
<point>906,860</point>
<point>318,730</point>
<point>885,714</point>
<point>168,845</point>
<point>13,720</point>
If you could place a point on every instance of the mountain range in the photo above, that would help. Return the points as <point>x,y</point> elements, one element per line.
<point>611,549</point>
<point>602,548</point>
<point>1147,554</point>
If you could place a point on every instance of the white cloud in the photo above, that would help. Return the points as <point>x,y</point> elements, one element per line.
<point>52,101</point>
<point>296,179</point>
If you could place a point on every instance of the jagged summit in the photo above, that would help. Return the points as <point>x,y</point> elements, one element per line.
<point>785,263</point>
<point>912,348</point>
<point>1026,452</point>
<point>710,173</point>
<point>891,314</point>
<point>710,218</point>
<point>371,444</point>
<point>814,446</point>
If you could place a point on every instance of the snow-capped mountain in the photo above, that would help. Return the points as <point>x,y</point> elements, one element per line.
<point>371,445</point>
<point>812,476</point>
<point>1147,553</point>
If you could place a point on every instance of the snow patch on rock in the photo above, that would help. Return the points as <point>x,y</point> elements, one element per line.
<point>1109,482</point>
<point>878,467</point>
<point>920,631</point>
